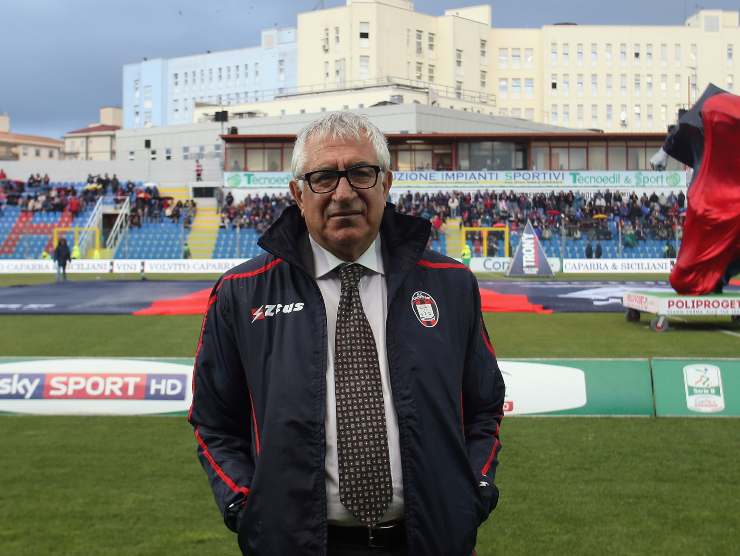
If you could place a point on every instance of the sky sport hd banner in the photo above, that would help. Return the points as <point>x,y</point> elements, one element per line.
<point>133,386</point>
<point>95,386</point>
<point>697,387</point>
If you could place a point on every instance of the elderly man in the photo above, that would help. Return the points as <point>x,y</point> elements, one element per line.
<point>347,399</point>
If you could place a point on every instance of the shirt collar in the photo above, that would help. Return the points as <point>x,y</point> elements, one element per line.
<point>325,261</point>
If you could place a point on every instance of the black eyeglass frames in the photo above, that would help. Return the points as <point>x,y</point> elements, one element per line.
<point>361,176</point>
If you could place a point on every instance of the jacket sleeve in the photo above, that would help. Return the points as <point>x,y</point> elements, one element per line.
<point>482,401</point>
<point>221,408</point>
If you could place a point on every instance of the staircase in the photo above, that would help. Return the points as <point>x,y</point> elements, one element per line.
<point>204,231</point>
<point>178,192</point>
<point>453,238</point>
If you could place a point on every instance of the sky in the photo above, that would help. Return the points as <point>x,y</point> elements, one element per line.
<point>61,60</point>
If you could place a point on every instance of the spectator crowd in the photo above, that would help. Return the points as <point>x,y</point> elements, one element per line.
<point>254,211</point>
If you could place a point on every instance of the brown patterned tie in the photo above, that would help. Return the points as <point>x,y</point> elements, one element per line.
<point>365,485</point>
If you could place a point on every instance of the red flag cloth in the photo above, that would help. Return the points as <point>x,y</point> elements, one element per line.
<point>711,237</point>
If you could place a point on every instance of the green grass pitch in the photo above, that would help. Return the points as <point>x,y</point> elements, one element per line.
<point>132,485</point>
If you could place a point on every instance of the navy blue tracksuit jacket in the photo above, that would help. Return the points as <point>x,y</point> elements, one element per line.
<point>260,386</point>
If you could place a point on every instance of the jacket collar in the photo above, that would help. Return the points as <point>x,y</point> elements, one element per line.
<point>404,239</point>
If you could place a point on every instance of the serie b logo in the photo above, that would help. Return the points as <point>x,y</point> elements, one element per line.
<point>425,309</point>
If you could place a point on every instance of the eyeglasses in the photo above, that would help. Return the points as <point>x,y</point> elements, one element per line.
<point>362,176</point>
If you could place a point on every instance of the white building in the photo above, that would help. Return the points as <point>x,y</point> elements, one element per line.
<point>615,78</point>
<point>160,92</point>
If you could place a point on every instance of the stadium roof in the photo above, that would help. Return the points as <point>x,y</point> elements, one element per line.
<point>21,139</point>
<point>94,129</point>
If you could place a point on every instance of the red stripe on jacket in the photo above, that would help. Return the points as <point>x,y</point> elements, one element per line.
<point>217,468</point>
<point>211,301</point>
<point>254,422</point>
<point>430,264</point>
<point>251,273</point>
<point>494,449</point>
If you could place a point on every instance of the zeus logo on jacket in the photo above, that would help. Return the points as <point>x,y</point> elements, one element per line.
<point>263,311</point>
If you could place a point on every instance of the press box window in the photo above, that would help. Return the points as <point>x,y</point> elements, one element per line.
<point>364,34</point>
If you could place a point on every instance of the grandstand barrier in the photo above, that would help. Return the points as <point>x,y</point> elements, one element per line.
<point>460,180</point>
<point>217,266</point>
<point>127,386</point>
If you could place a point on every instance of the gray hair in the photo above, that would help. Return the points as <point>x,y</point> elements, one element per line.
<point>345,125</point>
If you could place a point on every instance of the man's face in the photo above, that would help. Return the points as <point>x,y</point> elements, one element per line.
<point>347,220</point>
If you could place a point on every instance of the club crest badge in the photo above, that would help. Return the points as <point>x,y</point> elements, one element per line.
<point>425,309</point>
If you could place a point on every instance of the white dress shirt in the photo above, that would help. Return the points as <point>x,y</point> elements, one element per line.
<point>372,288</point>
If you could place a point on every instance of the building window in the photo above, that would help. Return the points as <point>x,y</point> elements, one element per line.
<point>579,84</point>
<point>364,34</point>
<point>175,80</point>
<point>609,114</point>
<point>554,53</point>
<point>730,82</point>
<point>326,70</point>
<point>648,53</point>
<point>503,57</point>
<point>663,83</point>
<point>594,53</point>
<point>483,50</point>
<point>730,53</point>
<point>623,84</point>
<point>566,113</point>
<point>131,156</point>
<point>637,85</point>
<point>554,83</point>
<point>430,42</point>
<point>579,57</point>
<point>256,69</point>
<point>168,154</point>
<point>594,115</point>
<point>419,70</point>
<point>430,73</point>
<point>503,87</point>
<point>664,113</point>
<point>516,112</point>
<point>594,84</point>
<point>516,88</point>
<point>649,115</point>
<point>565,53</point>
<point>419,40</point>
<point>516,57</point>
<point>554,114</point>
<point>186,153</point>
<point>136,88</point>
<point>281,70</point>
<point>458,59</point>
<point>51,153</point>
<point>529,113</point>
<point>677,54</point>
<point>649,84</point>
<point>483,81</point>
<point>636,53</point>
<point>638,115</point>
<point>579,115</point>
<point>220,74</point>
<point>622,53</point>
<point>529,87</point>
<point>663,54</point>
<point>565,86</point>
<point>694,54</point>
<point>528,57</point>
<point>458,89</point>
<point>336,35</point>
<point>210,75</point>
<point>609,84</point>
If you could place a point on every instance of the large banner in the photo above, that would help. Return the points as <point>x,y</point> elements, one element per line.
<point>577,387</point>
<point>122,266</point>
<point>95,386</point>
<point>133,386</point>
<point>698,387</point>
<point>508,179</point>
<point>625,266</point>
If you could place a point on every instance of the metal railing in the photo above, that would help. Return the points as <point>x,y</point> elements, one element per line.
<point>94,222</point>
<point>120,228</point>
